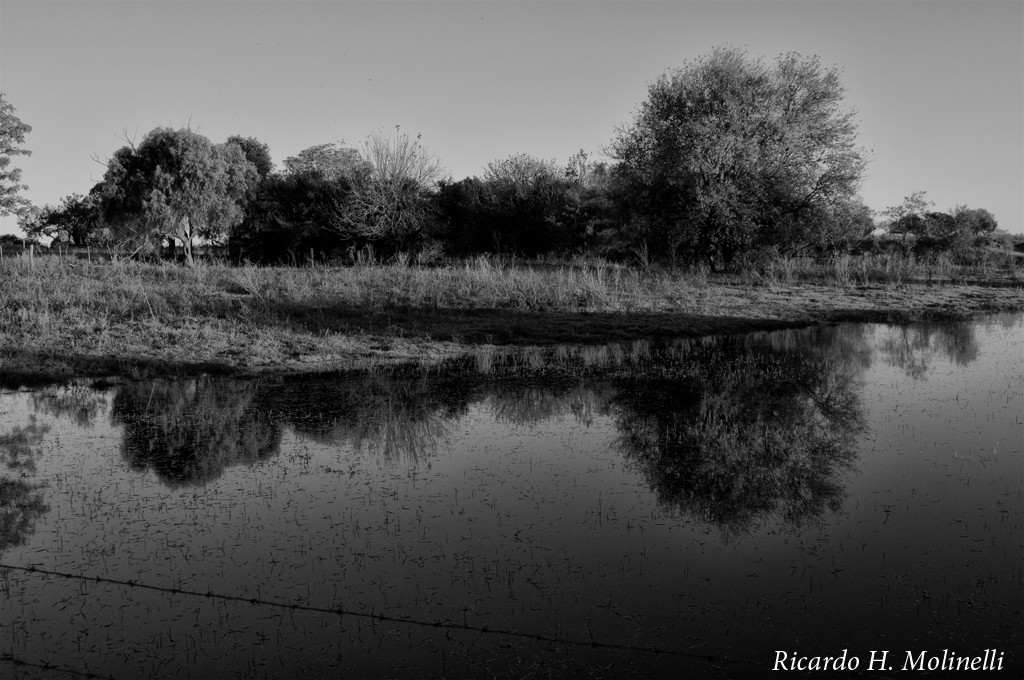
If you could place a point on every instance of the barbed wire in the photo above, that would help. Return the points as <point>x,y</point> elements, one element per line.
<point>341,611</point>
<point>10,658</point>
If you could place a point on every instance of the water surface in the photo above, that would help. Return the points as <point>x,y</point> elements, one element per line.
<point>645,509</point>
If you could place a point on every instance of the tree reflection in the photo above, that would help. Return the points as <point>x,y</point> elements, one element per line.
<point>912,348</point>
<point>736,435</point>
<point>21,504</point>
<point>80,403</point>
<point>396,415</point>
<point>730,430</point>
<point>532,403</point>
<point>733,431</point>
<point>190,431</point>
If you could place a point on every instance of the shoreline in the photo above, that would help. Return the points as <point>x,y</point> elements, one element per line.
<point>99,324</point>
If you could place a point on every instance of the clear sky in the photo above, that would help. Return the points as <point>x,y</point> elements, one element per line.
<point>939,86</point>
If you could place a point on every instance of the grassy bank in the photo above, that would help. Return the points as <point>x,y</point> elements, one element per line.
<point>64,318</point>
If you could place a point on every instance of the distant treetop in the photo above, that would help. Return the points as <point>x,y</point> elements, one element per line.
<point>12,136</point>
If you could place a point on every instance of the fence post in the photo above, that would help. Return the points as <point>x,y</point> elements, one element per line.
<point>32,257</point>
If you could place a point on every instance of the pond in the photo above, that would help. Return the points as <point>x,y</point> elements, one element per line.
<point>716,507</point>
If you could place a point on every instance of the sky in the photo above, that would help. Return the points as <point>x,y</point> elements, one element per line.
<point>938,86</point>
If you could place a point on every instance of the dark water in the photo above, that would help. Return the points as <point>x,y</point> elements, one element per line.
<point>641,509</point>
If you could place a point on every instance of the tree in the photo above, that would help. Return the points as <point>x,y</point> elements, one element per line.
<point>176,184</point>
<point>838,227</point>
<point>303,208</point>
<point>75,220</point>
<point>290,215</point>
<point>459,208</point>
<point>526,200</point>
<point>728,153</point>
<point>521,204</point>
<point>256,152</point>
<point>589,213</point>
<point>12,136</point>
<point>392,204</point>
<point>908,217</point>
<point>942,226</point>
<point>976,221</point>
<point>328,161</point>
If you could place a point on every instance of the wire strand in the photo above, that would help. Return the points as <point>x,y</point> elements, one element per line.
<point>11,659</point>
<point>341,611</point>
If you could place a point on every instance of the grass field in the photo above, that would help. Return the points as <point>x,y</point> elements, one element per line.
<point>63,318</point>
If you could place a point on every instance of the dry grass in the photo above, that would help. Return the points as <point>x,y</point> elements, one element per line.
<point>993,266</point>
<point>60,319</point>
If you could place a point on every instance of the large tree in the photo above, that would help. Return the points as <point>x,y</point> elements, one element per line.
<point>12,136</point>
<point>392,204</point>
<point>176,184</point>
<point>729,153</point>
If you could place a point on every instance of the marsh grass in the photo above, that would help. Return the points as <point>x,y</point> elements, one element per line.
<point>993,266</point>
<point>63,316</point>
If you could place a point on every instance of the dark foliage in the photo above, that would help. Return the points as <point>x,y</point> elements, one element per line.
<point>190,431</point>
<point>292,216</point>
<point>78,220</point>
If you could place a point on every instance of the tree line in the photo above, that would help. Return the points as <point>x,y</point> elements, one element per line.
<point>727,155</point>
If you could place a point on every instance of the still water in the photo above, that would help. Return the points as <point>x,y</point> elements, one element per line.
<point>643,509</point>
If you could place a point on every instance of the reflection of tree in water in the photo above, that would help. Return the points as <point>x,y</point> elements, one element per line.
<point>733,431</point>
<point>730,430</point>
<point>395,415</point>
<point>531,403</point>
<point>403,414</point>
<point>190,431</point>
<point>80,403</point>
<point>734,436</point>
<point>21,504</point>
<point>913,347</point>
